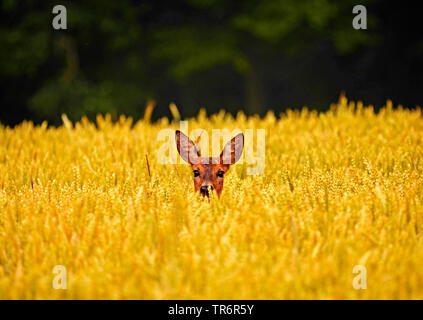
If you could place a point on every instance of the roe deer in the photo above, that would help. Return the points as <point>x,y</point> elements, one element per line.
<point>209,171</point>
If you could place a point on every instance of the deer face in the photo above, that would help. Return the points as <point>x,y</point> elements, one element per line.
<point>209,172</point>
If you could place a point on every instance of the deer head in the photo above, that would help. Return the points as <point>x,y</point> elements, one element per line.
<point>209,172</point>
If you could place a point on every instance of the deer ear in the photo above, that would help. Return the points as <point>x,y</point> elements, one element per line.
<point>186,148</point>
<point>232,151</point>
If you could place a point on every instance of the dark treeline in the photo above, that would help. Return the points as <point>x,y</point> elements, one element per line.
<point>217,54</point>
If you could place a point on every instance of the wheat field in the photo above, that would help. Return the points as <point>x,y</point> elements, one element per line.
<point>340,189</point>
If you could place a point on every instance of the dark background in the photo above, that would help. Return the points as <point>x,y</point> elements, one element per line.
<point>212,54</point>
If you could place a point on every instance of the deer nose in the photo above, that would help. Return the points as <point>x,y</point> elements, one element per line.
<point>204,190</point>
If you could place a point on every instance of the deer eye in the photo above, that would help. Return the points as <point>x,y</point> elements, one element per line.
<point>220,174</point>
<point>196,173</point>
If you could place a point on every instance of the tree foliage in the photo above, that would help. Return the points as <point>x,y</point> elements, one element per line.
<point>114,55</point>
